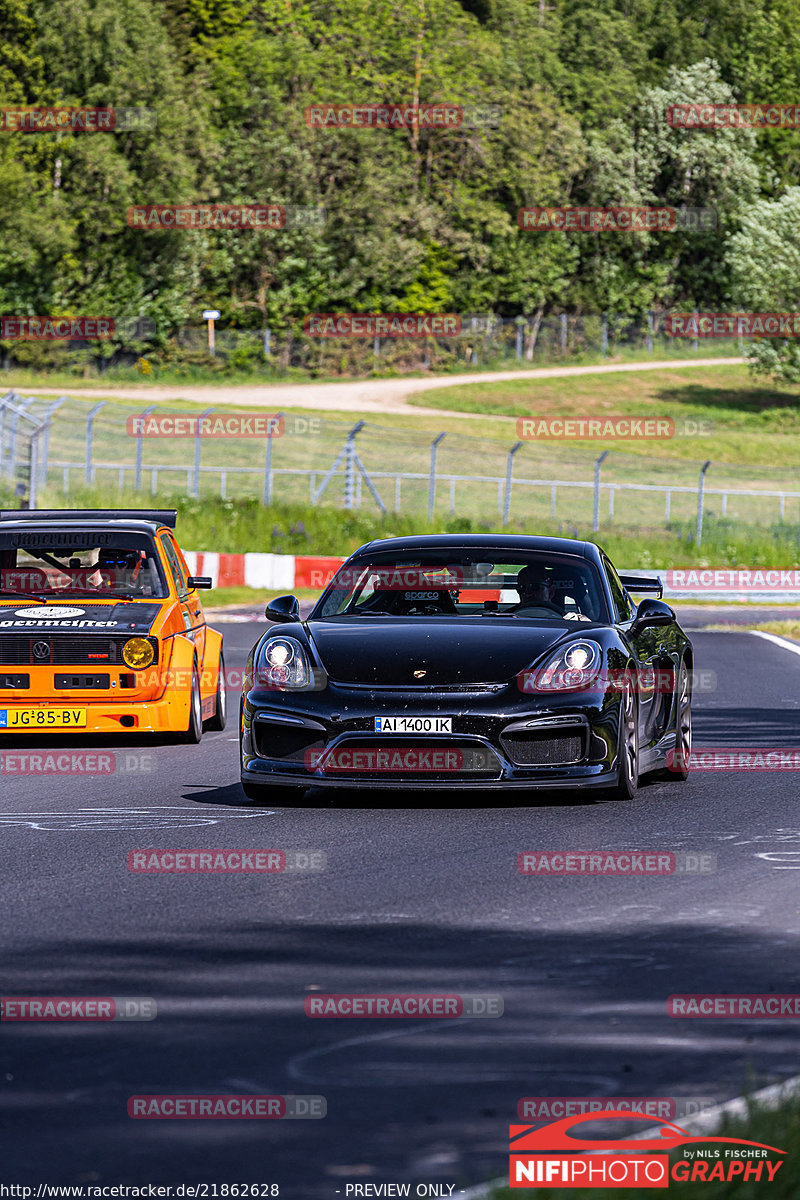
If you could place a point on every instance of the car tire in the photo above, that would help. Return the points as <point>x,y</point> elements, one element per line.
<point>283,794</point>
<point>678,772</point>
<point>627,746</point>
<point>194,732</point>
<point>217,722</point>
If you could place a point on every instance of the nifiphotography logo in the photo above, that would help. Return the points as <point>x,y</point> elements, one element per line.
<point>553,1156</point>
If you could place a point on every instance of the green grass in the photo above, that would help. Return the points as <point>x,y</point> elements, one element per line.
<point>239,526</point>
<point>775,1127</point>
<point>197,370</point>
<point>788,629</point>
<point>751,422</point>
<point>237,597</point>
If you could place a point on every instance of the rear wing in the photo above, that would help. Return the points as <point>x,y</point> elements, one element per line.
<point>643,583</point>
<point>166,516</point>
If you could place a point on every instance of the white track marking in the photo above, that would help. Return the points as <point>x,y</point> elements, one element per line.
<point>777,641</point>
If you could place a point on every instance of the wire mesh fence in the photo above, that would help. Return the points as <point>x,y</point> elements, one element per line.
<point>478,338</point>
<point>58,448</point>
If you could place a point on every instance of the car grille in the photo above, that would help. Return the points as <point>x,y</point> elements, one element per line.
<point>44,649</point>
<point>544,747</point>
<point>412,758</point>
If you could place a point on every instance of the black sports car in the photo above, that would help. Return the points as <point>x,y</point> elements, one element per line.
<point>469,662</point>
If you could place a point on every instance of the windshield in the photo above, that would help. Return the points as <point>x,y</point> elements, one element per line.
<point>53,563</point>
<point>468,584</point>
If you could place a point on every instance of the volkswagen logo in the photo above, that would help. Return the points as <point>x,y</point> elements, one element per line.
<point>41,650</point>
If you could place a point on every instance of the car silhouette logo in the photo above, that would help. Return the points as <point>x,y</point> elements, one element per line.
<point>41,650</point>
<point>555,1136</point>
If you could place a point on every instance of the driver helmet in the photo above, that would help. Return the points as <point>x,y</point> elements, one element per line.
<point>535,578</point>
<point>128,561</point>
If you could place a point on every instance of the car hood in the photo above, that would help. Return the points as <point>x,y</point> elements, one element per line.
<point>461,651</point>
<point>78,616</point>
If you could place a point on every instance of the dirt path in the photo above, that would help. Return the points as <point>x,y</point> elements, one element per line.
<point>357,396</point>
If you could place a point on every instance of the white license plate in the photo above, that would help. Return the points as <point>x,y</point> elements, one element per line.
<point>413,724</point>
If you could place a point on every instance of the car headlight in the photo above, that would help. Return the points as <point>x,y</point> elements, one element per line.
<point>570,669</point>
<point>138,653</point>
<point>283,663</point>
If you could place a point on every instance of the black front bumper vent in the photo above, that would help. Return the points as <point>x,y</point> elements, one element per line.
<point>550,742</point>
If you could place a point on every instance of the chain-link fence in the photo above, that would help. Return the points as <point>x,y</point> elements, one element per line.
<point>480,339</point>
<point>131,452</point>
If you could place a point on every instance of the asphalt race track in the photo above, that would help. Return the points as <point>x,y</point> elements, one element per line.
<point>426,899</point>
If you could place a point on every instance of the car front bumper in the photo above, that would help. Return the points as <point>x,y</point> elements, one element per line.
<point>324,727</point>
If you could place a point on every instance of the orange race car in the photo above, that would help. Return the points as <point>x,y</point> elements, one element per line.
<point>102,629</point>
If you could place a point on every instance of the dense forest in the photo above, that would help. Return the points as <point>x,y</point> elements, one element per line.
<point>414,218</point>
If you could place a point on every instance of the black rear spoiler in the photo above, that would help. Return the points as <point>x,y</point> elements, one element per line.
<point>165,516</point>
<point>643,583</point>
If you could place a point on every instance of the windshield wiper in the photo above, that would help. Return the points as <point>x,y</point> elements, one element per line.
<point>21,595</point>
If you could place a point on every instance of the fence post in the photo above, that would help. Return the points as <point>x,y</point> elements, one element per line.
<point>519,322</point>
<point>604,336</point>
<point>432,480</point>
<point>198,442</point>
<point>266,495</point>
<point>45,464</point>
<point>33,475</point>
<point>700,490</point>
<point>349,464</point>
<point>563,333</point>
<point>20,406</point>
<point>596,514</point>
<point>140,451</point>
<point>649,333</point>
<point>90,441</point>
<point>509,469</point>
<point>696,344</point>
<point>267,341</point>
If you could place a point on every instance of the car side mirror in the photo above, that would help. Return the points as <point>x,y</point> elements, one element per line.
<point>202,582</point>
<point>651,613</point>
<point>282,609</point>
